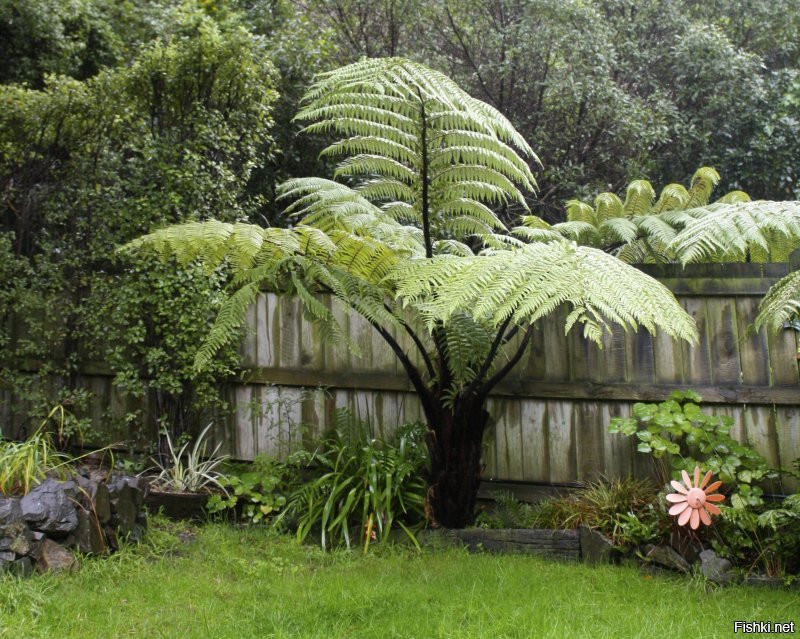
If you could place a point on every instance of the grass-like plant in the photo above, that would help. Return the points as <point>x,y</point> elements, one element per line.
<point>367,485</point>
<point>24,464</point>
<point>190,470</point>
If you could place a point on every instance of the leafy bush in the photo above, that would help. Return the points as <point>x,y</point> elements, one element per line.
<point>366,484</point>
<point>680,430</point>
<point>260,491</point>
<point>767,537</point>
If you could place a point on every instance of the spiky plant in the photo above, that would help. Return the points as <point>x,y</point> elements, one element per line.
<point>412,243</point>
<point>640,229</point>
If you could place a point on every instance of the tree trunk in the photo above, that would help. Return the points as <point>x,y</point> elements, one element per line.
<point>455,438</point>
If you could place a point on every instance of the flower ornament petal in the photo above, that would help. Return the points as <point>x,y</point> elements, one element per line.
<point>679,487</point>
<point>713,487</point>
<point>691,504</point>
<point>677,509</point>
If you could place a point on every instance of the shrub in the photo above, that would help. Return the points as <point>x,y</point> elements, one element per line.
<point>678,430</point>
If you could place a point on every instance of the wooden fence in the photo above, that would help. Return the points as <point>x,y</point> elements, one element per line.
<point>551,414</point>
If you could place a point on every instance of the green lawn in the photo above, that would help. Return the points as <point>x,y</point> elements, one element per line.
<point>219,581</point>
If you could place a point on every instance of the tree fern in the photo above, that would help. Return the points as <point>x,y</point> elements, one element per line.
<point>413,244</point>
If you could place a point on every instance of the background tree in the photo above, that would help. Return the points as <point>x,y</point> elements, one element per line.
<point>86,165</point>
<point>414,248</point>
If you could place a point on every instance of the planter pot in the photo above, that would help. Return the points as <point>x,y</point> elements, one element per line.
<point>178,505</point>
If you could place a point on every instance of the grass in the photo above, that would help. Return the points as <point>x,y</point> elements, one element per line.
<point>218,581</point>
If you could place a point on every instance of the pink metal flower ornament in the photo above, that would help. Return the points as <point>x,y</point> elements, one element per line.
<point>692,502</point>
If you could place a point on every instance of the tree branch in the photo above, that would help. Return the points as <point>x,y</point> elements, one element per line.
<point>499,375</point>
<point>487,363</point>
<point>418,342</point>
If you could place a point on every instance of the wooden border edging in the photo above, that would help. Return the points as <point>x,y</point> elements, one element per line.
<point>556,544</point>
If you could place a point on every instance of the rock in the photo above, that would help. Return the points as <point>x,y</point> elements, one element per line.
<point>50,507</point>
<point>54,558</point>
<point>123,507</point>
<point>10,510</point>
<point>685,546</point>
<point>89,536</point>
<point>138,486</point>
<point>596,548</point>
<point>101,501</point>
<point>7,556</point>
<point>16,537</point>
<point>137,534</point>
<point>22,567</point>
<point>715,568</point>
<point>668,558</point>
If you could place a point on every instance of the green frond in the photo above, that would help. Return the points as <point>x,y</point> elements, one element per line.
<point>577,211</point>
<point>385,189</point>
<point>397,117</point>
<point>639,198</point>
<point>229,320</point>
<point>452,247</point>
<point>617,230</point>
<point>462,206</point>
<point>466,345</point>
<point>608,205</point>
<point>673,197</point>
<point>703,182</point>
<point>781,304</point>
<point>532,281</point>
<point>735,230</point>
<point>581,232</point>
<point>734,197</point>
<point>537,234</point>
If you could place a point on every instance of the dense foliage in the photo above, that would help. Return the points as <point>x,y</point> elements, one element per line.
<point>175,135</point>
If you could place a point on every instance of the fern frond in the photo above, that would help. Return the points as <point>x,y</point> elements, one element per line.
<point>638,198</point>
<point>533,281</point>
<point>577,211</point>
<point>608,205</point>
<point>781,304</point>
<point>731,230</point>
<point>703,182</point>
<point>673,197</point>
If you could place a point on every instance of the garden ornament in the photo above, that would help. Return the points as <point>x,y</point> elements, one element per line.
<point>692,501</point>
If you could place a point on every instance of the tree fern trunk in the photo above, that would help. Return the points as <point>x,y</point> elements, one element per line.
<point>455,440</point>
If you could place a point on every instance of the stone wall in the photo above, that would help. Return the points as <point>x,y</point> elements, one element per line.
<point>90,513</point>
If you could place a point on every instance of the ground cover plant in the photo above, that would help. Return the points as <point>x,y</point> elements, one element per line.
<point>220,581</point>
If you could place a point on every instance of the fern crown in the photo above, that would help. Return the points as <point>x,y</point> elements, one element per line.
<point>413,244</point>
